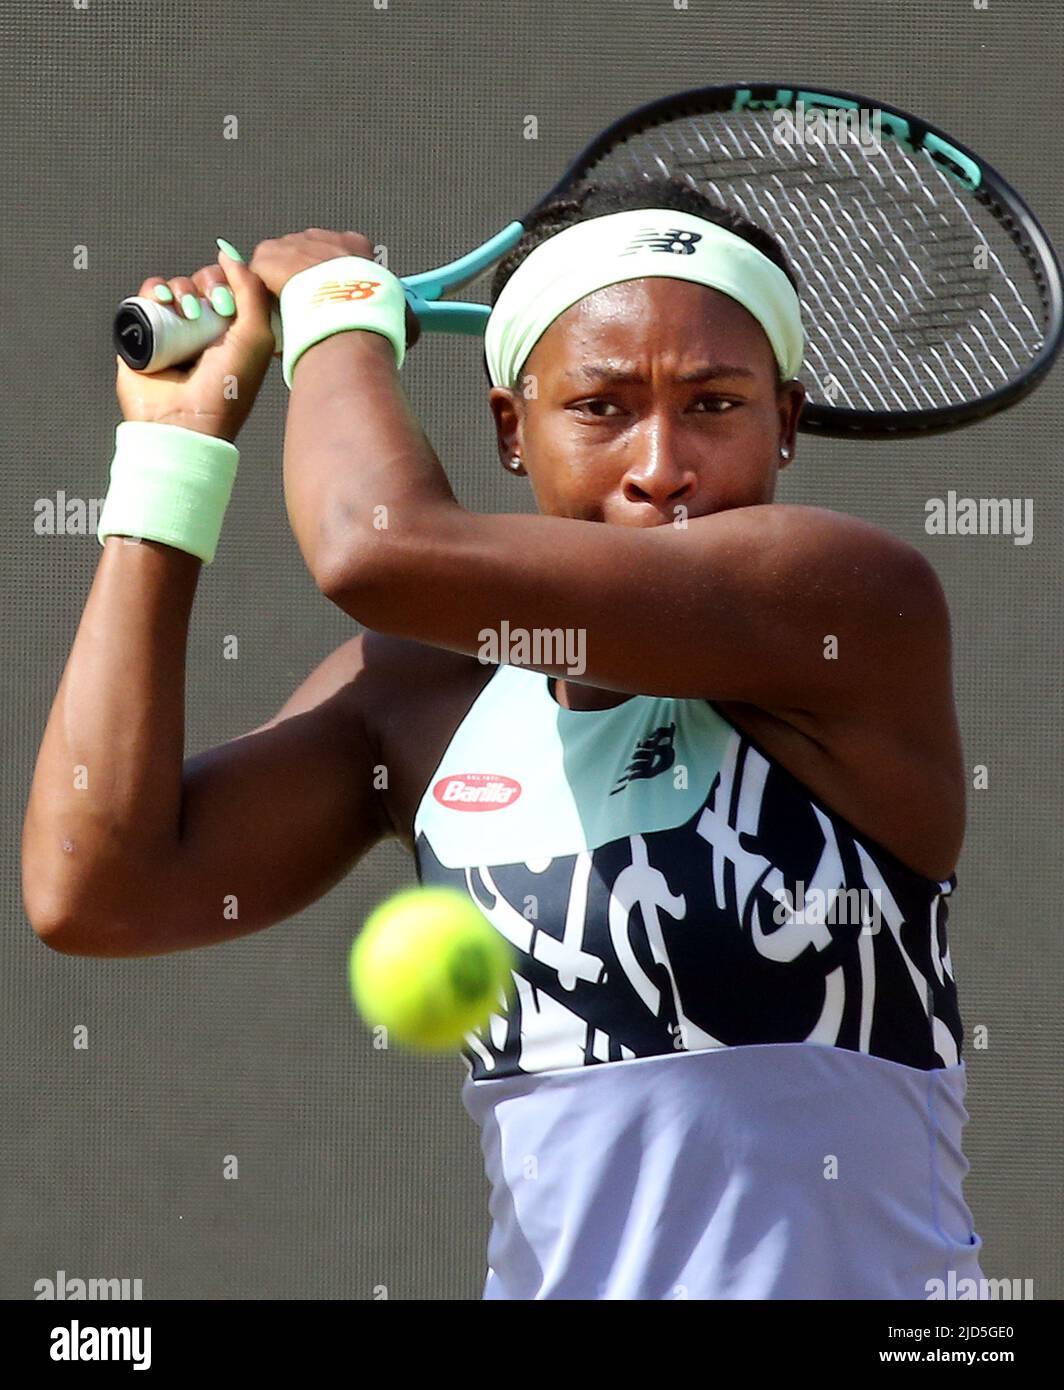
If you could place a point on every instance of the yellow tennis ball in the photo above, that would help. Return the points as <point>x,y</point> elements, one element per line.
<point>429,967</point>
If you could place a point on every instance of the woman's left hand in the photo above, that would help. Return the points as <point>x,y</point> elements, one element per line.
<point>276,261</point>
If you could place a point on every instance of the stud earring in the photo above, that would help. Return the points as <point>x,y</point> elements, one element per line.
<point>514,463</point>
<point>785,453</point>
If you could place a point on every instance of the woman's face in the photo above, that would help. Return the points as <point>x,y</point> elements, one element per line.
<point>648,396</point>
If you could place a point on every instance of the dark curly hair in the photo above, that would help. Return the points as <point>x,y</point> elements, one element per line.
<point>599,199</point>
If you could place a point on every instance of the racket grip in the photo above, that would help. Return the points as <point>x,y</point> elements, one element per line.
<point>150,336</point>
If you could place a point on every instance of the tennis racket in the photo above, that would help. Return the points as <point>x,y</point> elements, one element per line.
<point>931,296</point>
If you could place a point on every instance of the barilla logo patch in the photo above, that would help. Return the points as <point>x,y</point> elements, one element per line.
<point>476,791</point>
<point>343,291</point>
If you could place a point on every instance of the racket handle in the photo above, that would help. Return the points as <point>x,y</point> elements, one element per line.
<point>150,336</point>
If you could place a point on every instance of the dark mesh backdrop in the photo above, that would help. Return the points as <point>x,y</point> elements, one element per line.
<point>359,1171</point>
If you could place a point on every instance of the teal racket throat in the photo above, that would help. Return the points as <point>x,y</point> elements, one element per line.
<point>425,290</point>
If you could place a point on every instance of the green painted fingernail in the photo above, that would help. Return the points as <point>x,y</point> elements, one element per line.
<point>164,293</point>
<point>230,250</point>
<point>190,306</point>
<point>222,301</point>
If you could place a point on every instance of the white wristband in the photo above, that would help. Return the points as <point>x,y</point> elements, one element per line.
<point>169,484</point>
<point>336,296</point>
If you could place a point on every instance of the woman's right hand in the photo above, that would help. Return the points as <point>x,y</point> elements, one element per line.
<point>195,396</point>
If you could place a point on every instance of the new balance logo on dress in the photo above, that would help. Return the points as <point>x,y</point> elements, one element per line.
<point>653,755</point>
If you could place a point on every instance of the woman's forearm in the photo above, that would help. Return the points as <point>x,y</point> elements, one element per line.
<point>106,790</point>
<point>358,467</point>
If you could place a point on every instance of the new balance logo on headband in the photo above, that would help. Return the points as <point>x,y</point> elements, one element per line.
<point>674,240</point>
<point>653,755</point>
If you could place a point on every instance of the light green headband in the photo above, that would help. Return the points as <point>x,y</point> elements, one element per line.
<point>632,246</point>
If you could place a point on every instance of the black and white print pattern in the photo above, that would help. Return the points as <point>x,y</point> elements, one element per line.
<point>667,941</point>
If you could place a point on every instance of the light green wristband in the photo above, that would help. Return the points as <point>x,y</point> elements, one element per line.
<point>169,484</point>
<point>335,296</point>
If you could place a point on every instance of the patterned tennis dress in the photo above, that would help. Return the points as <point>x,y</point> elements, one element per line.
<point>732,1063</point>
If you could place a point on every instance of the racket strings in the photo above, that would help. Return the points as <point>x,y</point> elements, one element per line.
<point>899,315</point>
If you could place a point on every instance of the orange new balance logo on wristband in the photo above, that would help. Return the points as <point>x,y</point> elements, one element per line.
<point>343,291</point>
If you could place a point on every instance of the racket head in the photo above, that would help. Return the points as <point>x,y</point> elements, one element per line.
<point>931,296</point>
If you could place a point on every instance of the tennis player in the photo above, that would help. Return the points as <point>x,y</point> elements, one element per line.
<point>693,752</point>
